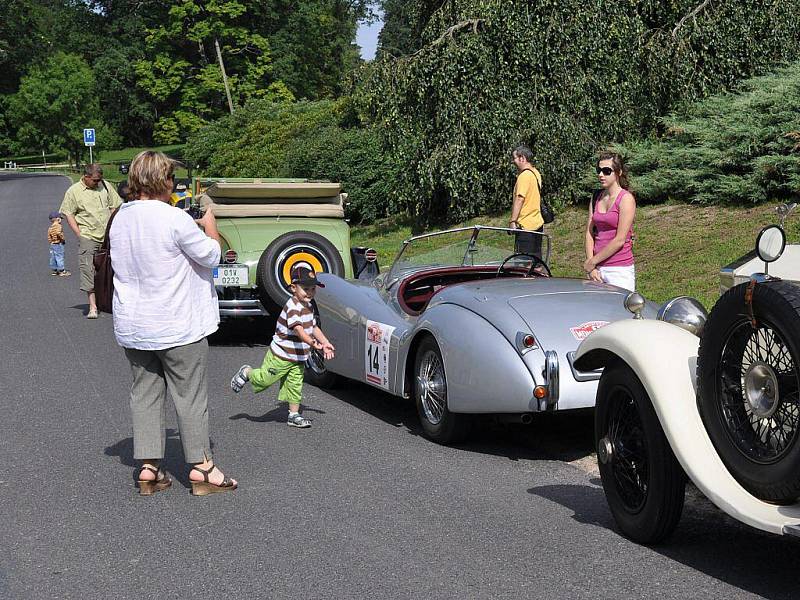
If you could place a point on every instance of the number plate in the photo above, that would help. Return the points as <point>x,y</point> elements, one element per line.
<point>231,275</point>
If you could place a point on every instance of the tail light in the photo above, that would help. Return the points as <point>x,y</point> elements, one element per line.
<point>231,256</point>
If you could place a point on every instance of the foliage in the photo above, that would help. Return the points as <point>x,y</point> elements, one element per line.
<point>564,76</point>
<point>155,63</point>
<point>312,45</point>
<point>352,156</point>
<point>32,30</point>
<point>319,140</point>
<point>55,102</point>
<point>403,24</point>
<point>124,108</point>
<point>731,147</point>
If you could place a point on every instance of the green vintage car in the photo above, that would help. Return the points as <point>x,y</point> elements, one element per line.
<point>270,226</point>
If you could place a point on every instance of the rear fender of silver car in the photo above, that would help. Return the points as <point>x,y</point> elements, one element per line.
<point>467,341</point>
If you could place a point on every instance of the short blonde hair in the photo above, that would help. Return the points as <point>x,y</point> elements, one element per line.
<point>150,174</point>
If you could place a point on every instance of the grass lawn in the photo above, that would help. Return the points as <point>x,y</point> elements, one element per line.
<point>679,248</point>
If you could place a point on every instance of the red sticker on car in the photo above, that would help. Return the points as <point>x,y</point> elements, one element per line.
<point>581,332</point>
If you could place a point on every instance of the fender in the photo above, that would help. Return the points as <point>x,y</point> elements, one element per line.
<point>485,374</point>
<point>664,358</point>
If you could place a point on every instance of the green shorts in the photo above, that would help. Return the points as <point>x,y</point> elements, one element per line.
<point>273,369</point>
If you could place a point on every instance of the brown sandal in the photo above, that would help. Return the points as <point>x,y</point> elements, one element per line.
<point>151,486</point>
<point>205,487</point>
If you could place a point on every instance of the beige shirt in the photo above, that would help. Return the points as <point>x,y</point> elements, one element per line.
<point>91,208</point>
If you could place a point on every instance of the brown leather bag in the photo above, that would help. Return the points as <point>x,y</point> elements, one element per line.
<point>104,272</point>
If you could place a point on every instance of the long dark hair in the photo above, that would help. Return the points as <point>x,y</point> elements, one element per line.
<point>619,167</point>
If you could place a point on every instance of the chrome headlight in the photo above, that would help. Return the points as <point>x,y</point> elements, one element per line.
<point>685,312</point>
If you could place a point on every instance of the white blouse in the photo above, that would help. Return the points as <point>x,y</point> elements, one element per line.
<point>164,293</point>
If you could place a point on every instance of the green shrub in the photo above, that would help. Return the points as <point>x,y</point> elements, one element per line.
<point>729,148</point>
<point>316,140</point>
<point>564,76</point>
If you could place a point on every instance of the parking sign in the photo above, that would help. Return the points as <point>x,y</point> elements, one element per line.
<point>88,137</point>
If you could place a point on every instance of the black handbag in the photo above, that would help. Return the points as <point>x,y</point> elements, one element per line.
<point>104,272</point>
<point>547,212</point>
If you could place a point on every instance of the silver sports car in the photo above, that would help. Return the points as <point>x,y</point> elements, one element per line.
<point>465,325</point>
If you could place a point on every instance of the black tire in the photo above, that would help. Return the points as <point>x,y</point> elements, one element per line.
<point>749,387</point>
<point>286,251</point>
<point>438,423</point>
<point>317,375</point>
<point>643,481</point>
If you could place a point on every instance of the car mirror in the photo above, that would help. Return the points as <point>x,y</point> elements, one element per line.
<point>770,243</point>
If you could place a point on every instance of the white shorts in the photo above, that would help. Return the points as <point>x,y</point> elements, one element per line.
<point>624,277</point>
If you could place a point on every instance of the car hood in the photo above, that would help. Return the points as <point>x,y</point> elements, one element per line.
<point>559,312</point>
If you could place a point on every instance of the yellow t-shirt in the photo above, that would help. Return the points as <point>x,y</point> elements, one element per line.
<point>528,183</point>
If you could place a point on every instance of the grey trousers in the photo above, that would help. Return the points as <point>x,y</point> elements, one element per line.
<point>182,370</point>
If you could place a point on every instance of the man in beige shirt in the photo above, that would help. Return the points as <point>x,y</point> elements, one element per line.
<point>87,206</point>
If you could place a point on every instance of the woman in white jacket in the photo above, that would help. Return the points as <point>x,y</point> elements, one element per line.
<point>164,306</point>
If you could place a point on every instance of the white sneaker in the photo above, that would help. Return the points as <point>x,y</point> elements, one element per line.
<point>297,420</point>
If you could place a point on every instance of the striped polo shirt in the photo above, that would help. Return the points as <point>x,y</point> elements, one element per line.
<point>285,343</point>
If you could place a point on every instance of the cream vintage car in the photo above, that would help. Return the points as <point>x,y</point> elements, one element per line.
<point>715,398</point>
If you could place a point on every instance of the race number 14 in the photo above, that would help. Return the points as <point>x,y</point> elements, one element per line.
<point>376,353</point>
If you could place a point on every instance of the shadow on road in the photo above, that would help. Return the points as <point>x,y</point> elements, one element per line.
<point>173,462</point>
<point>250,332</point>
<point>279,414</point>
<point>707,540</point>
<point>566,436</point>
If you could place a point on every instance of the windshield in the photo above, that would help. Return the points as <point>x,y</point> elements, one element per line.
<point>466,246</point>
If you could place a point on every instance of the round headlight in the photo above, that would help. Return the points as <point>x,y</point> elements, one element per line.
<point>685,312</point>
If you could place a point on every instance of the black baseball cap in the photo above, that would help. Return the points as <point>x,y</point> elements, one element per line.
<point>305,276</point>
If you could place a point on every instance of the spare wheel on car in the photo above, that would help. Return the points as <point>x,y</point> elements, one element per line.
<point>749,386</point>
<point>290,250</point>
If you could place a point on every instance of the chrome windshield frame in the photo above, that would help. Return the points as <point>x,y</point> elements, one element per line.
<point>393,277</point>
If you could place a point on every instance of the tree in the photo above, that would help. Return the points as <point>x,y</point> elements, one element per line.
<point>31,30</point>
<point>312,44</point>
<point>182,66</point>
<point>403,25</point>
<point>566,77</point>
<point>741,147</point>
<point>55,102</point>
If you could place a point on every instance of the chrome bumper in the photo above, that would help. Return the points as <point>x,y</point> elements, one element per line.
<point>241,308</point>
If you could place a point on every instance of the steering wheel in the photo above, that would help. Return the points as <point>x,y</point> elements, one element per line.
<point>535,260</point>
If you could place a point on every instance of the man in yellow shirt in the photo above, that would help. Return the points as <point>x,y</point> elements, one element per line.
<point>87,206</point>
<point>526,208</point>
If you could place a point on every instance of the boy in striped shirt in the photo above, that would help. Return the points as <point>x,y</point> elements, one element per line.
<point>295,334</point>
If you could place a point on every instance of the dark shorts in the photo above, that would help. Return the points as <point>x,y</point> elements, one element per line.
<point>529,243</point>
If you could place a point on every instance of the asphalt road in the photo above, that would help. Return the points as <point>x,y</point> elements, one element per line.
<point>358,506</point>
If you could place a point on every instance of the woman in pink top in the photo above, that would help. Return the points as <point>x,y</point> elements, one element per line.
<point>609,244</point>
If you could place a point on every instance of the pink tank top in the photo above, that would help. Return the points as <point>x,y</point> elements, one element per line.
<point>606,224</point>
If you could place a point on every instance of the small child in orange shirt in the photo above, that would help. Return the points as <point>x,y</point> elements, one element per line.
<point>55,236</point>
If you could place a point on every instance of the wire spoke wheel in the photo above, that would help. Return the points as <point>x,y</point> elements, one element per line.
<point>625,433</point>
<point>748,375</point>
<point>432,387</point>
<point>758,392</point>
<point>643,482</point>
<point>430,395</point>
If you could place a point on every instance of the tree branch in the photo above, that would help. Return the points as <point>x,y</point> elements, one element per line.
<point>448,34</point>
<point>690,15</point>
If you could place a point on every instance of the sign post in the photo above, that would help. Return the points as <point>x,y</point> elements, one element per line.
<point>88,140</point>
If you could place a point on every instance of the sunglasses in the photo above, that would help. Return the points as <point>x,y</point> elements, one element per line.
<point>604,170</point>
